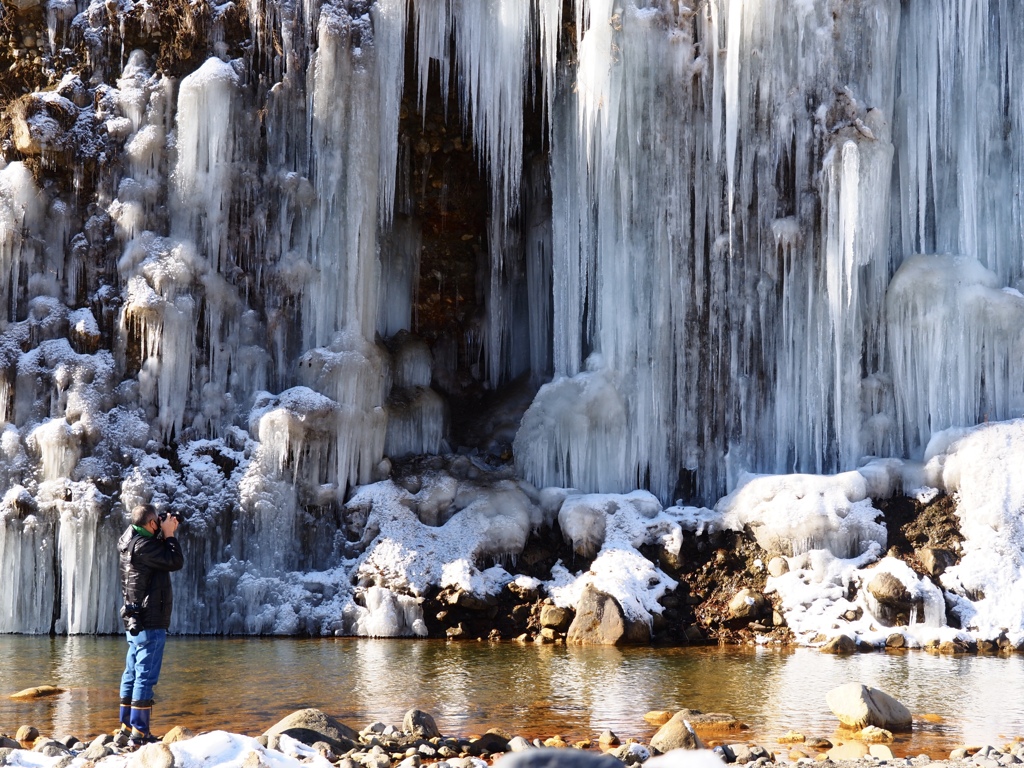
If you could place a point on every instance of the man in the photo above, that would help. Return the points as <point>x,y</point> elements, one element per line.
<point>148,553</point>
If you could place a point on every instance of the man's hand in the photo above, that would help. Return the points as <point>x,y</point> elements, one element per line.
<point>168,526</point>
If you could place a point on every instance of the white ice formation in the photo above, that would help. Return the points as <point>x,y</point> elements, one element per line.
<point>768,252</point>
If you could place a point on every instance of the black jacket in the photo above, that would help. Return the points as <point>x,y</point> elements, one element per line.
<point>146,565</point>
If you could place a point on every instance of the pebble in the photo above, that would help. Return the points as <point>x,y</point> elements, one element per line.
<point>386,746</point>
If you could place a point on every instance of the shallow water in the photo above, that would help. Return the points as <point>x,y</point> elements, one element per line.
<point>247,684</point>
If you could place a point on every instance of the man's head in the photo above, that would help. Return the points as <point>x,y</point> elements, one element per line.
<point>145,516</point>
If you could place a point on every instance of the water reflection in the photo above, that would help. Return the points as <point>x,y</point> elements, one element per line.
<point>246,684</point>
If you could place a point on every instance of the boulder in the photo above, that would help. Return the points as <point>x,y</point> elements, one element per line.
<point>555,617</point>
<point>840,645</point>
<point>858,706</point>
<point>710,722</point>
<point>895,640</point>
<point>677,733</point>
<point>880,751</point>
<point>97,751</point>
<point>26,735</point>
<point>310,726</point>
<point>420,723</point>
<point>895,603</point>
<point>37,692</point>
<point>8,743</point>
<point>178,733</point>
<point>872,734</point>
<point>658,716</point>
<point>748,604</point>
<point>152,756</point>
<point>778,566</point>
<point>600,621</point>
<point>556,758</point>
<point>50,748</point>
<point>608,739</point>
<point>631,753</point>
<point>934,560</point>
<point>851,750</point>
<point>489,743</point>
<point>519,744</point>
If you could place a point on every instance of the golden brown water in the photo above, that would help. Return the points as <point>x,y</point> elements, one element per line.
<point>245,685</point>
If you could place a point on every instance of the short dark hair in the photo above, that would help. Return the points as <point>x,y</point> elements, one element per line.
<point>142,514</point>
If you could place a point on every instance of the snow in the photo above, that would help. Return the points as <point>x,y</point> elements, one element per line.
<point>793,514</point>
<point>230,750</point>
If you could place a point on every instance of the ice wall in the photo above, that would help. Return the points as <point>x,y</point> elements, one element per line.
<point>721,239</point>
<point>721,248</point>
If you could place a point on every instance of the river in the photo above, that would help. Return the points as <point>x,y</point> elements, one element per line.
<point>246,684</point>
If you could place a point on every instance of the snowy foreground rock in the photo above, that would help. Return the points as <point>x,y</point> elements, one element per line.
<point>311,737</point>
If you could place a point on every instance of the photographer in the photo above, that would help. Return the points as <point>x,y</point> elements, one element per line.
<point>148,553</point>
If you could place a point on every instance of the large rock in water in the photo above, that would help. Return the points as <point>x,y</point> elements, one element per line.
<point>600,621</point>
<point>858,706</point>
<point>677,733</point>
<point>420,723</point>
<point>311,725</point>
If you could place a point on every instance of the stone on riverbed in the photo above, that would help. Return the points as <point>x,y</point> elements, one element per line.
<point>152,756</point>
<point>858,706</point>
<point>556,758</point>
<point>851,750</point>
<point>178,733</point>
<point>37,692</point>
<point>420,723</point>
<point>677,733</point>
<point>686,758</point>
<point>310,726</point>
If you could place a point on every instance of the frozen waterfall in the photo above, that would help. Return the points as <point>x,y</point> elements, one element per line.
<point>716,240</point>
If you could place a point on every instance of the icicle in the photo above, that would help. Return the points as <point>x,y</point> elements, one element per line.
<point>21,212</point>
<point>957,345</point>
<point>203,176</point>
<point>399,276</point>
<point>90,581</point>
<point>389,26</point>
<point>26,550</point>
<point>959,64</point>
<point>59,447</point>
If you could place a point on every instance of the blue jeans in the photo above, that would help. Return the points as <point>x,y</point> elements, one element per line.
<point>142,666</point>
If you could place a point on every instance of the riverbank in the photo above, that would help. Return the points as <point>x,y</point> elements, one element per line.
<point>309,737</point>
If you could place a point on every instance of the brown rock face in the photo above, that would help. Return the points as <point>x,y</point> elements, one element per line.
<point>600,621</point>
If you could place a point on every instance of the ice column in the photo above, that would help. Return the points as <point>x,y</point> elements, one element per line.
<point>958,128</point>
<point>28,557</point>
<point>957,344</point>
<point>21,212</point>
<point>90,582</point>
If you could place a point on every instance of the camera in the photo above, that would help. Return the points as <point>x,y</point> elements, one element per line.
<point>176,515</point>
<point>130,614</point>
